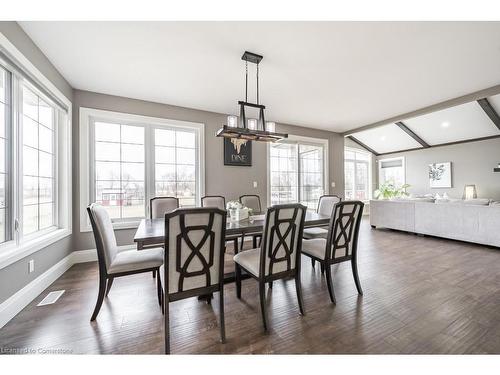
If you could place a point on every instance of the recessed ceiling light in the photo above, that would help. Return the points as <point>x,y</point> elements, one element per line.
<point>445,124</point>
<point>382,138</point>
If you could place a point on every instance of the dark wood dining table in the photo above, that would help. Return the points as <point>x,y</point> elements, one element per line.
<point>151,232</point>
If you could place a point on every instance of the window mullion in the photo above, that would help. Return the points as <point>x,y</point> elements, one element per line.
<point>299,177</point>
<point>17,152</point>
<point>149,159</point>
<point>9,160</point>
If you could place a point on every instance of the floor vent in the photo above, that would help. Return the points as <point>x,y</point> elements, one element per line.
<point>51,298</point>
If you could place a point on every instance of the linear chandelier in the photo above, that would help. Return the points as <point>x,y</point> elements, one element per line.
<point>259,129</point>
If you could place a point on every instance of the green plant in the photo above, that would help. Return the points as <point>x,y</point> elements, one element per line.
<point>389,190</point>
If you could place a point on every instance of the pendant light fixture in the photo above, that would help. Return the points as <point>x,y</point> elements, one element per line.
<point>258,130</point>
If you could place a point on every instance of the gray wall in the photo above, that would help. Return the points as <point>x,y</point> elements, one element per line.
<point>15,276</point>
<point>219,179</point>
<point>472,163</point>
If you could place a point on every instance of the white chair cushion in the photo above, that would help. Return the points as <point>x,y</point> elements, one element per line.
<point>161,273</point>
<point>315,247</point>
<point>250,260</point>
<point>310,233</point>
<point>134,260</point>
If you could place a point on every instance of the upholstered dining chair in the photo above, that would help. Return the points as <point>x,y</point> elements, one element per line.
<point>114,262</point>
<point>341,244</point>
<point>326,204</point>
<point>252,201</point>
<point>219,202</point>
<point>194,259</point>
<point>279,254</point>
<point>159,206</point>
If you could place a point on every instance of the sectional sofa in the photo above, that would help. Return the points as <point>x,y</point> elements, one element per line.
<point>475,220</point>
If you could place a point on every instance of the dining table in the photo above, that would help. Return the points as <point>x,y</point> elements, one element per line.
<point>151,232</point>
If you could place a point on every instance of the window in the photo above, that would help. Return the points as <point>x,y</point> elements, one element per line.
<point>392,170</point>
<point>297,171</point>
<point>357,174</point>
<point>175,165</point>
<point>35,158</point>
<point>119,169</point>
<point>135,158</point>
<point>4,136</point>
<point>38,134</point>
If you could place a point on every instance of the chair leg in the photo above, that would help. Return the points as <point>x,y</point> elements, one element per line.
<point>254,242</point>
<point>322,269</point>
<point>313,263</point>
<point>237,275</point>
<point>221,312</point>
<point>100,297</point>
<point>270,284</point>
<point>159,289</point>
<point>355,274</point>
<point>298,287</point>
<point>163,302</point>
<point>329,282</point>
<point>154,274</point>
<point>262,293</point>
<point>110,282</point>
<point>167,326</point>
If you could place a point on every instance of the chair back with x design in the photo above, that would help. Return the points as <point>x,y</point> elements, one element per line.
<point>342,240</point>
<point>281,244</point>
<point>194,248</point>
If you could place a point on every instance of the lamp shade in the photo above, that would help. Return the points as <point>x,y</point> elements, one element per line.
<point>469,192</point>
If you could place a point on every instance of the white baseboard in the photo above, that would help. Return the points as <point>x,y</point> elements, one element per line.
<point>15,303</point>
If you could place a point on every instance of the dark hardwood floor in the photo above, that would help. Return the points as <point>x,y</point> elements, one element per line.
<point>421,295</point>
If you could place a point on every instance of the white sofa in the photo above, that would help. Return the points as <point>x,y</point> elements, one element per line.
<point>476,220</point>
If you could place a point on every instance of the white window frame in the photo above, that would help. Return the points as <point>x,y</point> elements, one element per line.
<point>307,141</point>
<point>87,115</point>
<point>368,162</point>
<point>403,164</point>
<point>18,248</point>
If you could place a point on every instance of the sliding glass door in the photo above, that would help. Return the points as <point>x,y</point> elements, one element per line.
<point>297,172</point>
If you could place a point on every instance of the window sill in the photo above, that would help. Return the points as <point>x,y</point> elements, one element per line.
<point>11,253</point>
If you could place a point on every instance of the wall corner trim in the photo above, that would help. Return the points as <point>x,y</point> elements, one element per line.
<point>18,301</point>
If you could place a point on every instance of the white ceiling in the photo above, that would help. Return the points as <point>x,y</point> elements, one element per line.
<point>386,138</point>
<point>330,75</point>
<point>462,122</point>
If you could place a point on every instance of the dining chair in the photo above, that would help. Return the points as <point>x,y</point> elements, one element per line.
<point>194,259</point>
<point>219,202</point>
<point>341,244</point>
<point>159,206</point>
<point>252,201</point>
<point>326,204</point>
<point>279,254</point>
<point>114,262</point>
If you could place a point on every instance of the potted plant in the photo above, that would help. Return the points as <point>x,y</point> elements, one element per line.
<point>389,190</point>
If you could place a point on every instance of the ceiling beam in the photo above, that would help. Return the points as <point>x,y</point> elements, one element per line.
<point>475,96</point>
<point>490,111</point>
<point>444,144</point>
<point>355,140</point>
<point>410,132</point>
